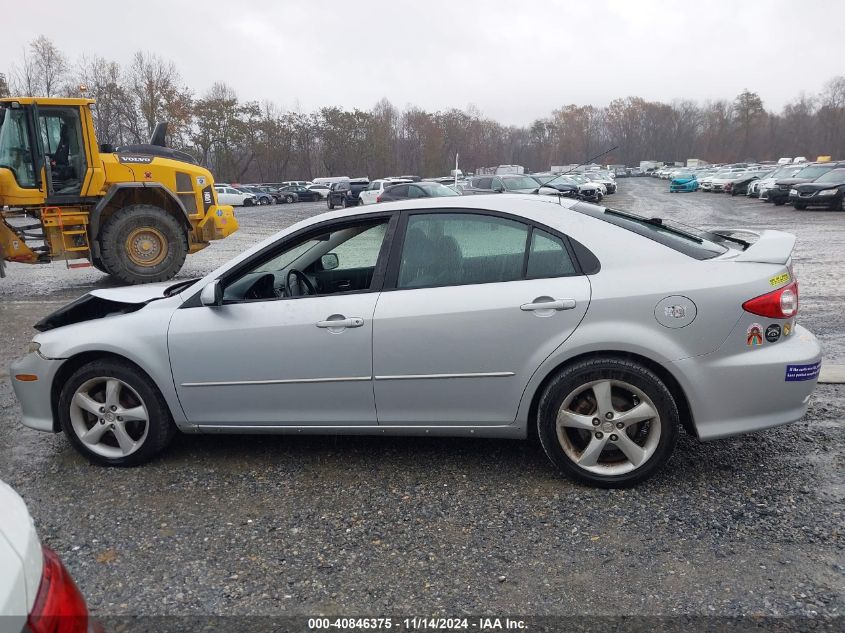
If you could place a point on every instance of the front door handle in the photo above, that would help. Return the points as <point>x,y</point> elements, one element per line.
<point>547,303</point>
<point>337,322</point>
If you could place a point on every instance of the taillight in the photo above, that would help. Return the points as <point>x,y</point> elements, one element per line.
<point>378,199</point>
<point>779,304</point>
<point>59,606</point>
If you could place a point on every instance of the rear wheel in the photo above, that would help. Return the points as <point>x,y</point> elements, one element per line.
<point>288,199</point>
<point>113,414</point>
<point>779,203</point>
<point>799,206</point>
<point>142,243</point>
<point>608,422</point>
<point>329,203</point>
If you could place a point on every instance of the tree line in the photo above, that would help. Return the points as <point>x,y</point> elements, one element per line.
<point>250,141</point>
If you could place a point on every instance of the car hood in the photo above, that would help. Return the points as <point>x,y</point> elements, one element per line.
<point>106,302</point>
<point>792,181</point>
<point>817,186</point>
<point>682,181</point>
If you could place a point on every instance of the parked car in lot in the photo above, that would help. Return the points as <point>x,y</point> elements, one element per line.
<point>372,192</point>
<point>303,194</point>
<point>825,191</point>
<point>683,182</point>
<point>608,182</point>
<point>739,184</point>
<point>261,196</point>
<point>37,593</point>
<point>581,179</point>
<point>413,190</point>
<point>779,194</point>
<point>226,194</point>
<point>558,184</point>
<point>346,193</point>
<point>769,182</point>
<point>322,190</point>
<point>504,183</point>
<point>367,321</point>
<point>722,178</point>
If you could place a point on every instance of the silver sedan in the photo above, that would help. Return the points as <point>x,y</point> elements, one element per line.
<point>486,316</point>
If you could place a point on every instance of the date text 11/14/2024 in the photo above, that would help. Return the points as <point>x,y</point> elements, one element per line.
<point>416,623</point>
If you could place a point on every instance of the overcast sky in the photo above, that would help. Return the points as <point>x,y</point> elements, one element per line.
<point>514,60</point>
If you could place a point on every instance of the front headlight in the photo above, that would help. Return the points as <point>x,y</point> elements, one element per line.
<point>828,192</point>
<point>793,192</point>
<point>32,347</point>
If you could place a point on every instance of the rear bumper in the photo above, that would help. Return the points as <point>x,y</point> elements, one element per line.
<point>749,389</point>
<point>34,396</point>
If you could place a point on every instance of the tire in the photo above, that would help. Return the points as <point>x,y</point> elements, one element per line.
<point>142,243</point>
<point>329,203</point>
<point>343,203</point>
<point>733,192</point>
<point>137,393</point>
<point>97,263</point>
<point>799,206</point>
<point>631,385</point>
<point>288,199</point>
<point>779,203</point>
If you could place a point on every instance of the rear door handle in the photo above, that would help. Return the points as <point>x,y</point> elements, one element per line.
<point>333,323</point>
<point>547,303</point>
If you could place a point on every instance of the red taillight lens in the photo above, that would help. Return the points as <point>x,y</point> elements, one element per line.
<point>780,304</point>
<point>59,606</point>
<point>378,199</point>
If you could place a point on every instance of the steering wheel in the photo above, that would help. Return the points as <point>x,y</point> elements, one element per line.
<point>302,282</point>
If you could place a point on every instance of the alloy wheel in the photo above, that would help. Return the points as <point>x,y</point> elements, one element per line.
<point>608,427</point>
<point>109,417</point>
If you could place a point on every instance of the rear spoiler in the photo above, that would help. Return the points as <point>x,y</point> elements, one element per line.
<point>769,247</point>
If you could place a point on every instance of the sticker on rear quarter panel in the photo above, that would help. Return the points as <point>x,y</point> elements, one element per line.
<point>794,373</point>
<point>780,279</point>
<point>754,335</point>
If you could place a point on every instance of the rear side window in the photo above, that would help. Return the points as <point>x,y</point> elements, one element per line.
<point>684,239</point>
<point>454,249</point>
<point>548,256</point>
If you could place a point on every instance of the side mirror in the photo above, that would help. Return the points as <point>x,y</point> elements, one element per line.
<point>329,261</point>
<point>212,294</point>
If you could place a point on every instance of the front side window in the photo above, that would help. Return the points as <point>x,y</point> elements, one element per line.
<point>336,260</point>
<point>460,248</point>
<point>15,148</point>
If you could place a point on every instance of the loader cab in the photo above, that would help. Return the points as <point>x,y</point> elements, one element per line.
<point>43,145</point>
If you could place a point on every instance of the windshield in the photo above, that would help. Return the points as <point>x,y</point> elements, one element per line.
<point>835,175</point>
<point>812,172</point>
<point>523,182</point>
<point>15,150</point>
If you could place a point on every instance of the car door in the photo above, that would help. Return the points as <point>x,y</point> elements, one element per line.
<point>369,195</point>
<point>472,305</point>
<point>222,196</point>
<point>259,360</point>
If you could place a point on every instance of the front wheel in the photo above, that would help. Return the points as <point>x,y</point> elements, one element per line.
<point>799,206</point>
<point>329,203</point>
<point>142,243</point>
<point>113,414</point>
<point>608,422</point>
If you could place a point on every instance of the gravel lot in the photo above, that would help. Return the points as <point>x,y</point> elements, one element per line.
<point>367,526</point>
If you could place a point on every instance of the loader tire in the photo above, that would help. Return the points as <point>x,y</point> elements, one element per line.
<point>142,243</point>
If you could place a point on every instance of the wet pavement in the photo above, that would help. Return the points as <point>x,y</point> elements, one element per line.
<point>356,525</point>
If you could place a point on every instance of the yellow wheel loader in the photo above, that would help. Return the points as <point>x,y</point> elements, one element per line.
<point>134,212</point>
